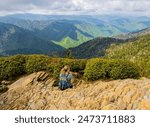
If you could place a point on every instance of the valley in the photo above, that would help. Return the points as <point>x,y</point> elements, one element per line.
<point>69,31</point>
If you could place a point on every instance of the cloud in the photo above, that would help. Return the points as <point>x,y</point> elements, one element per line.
<point>141,7</point>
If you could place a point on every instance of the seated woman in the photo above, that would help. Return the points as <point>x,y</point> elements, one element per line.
<point>65,78</point>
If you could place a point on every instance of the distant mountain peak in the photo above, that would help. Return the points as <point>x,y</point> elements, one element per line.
<point>134,34</point>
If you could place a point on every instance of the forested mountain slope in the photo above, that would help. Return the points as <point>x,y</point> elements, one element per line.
<point>137,51</point>
<point>14,40</point>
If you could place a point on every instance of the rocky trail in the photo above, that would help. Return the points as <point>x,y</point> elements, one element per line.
<point>36,91</point>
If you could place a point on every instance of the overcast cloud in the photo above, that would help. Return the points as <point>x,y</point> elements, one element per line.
<point>135,7</point>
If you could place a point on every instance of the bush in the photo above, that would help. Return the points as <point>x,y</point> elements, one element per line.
<point>10,67</point>
<point>76,65</point>
<point>110,69</point>
<point>35,63</point>
<point>144,65</point>
<point>122,70</point>
<point>94,69</point>
<point>57,69</point>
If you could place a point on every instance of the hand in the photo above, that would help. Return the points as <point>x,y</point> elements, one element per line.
<point>74,73</point>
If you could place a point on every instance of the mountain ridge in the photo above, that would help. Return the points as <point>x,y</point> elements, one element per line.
<point>49,26</point>
<point>15,38</point>
<point>134,34</point>
<point>97,47</point>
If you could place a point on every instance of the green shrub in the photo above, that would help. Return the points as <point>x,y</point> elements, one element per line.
<point>52,62</point>
<point>59,63</point>
<point>119,69</point>
<point>10,67</point>
<point>110,69</point>
<point>76,65</point>
<point>144,65</point>
<point>94,69</point>
<point>35,63</point>
<point>57,69</point>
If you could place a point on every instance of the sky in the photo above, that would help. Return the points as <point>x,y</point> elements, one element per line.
<point>76,7</point>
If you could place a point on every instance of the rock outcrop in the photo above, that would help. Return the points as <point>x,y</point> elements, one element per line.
<point>37,91</point>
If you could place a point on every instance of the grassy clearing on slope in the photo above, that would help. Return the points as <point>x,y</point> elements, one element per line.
<point>69,42</point>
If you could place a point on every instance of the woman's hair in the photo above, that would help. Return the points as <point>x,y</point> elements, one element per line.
<point>65,70</point>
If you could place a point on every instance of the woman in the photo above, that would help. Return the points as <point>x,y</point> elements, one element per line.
<point>65,78</point>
